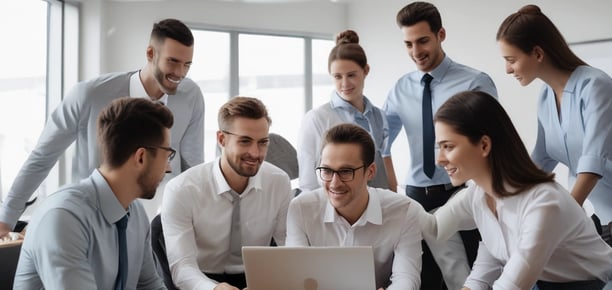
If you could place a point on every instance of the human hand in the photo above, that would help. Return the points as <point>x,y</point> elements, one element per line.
<point>225,286</point>
<point>4,230</point>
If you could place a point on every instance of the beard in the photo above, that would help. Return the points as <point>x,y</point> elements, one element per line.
<point>148,186</point>
<point>245,171</point>
<point>160,78</point>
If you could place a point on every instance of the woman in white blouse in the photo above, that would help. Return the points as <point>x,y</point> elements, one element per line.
<point>348,66</point>
<point>533,231</point>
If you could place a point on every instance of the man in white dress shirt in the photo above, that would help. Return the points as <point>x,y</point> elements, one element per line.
<point>211,210</point>
<point>346,212</point>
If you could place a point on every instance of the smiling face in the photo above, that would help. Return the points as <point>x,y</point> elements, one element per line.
<point>423,45</point>
<point>349,79</point>
<point>523,66</point>
<point>462,159</point>
<point>245,145</point>
<point>171,60</point>
<point>349,198</point>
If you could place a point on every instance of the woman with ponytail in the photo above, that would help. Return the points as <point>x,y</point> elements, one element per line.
<point>348,66</point>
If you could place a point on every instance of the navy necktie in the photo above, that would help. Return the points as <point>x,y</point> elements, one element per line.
<point>428,129</point>
<point>123,258</point>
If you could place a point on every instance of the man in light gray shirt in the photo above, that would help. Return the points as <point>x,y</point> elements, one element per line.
<point>169,56</point>
<point>94,234</point>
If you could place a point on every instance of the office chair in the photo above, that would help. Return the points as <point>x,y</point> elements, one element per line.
<point>9,256</point>
<point>159,252</point>
<point>283,155</point>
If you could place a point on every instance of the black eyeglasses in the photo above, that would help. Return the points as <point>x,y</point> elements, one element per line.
<point>172,151</point>
<point>345,174</point>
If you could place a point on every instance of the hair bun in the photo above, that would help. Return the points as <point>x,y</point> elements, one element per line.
<point>347,36</point>
<point>530,9</point>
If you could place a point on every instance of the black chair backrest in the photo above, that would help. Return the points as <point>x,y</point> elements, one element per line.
<point>9,256</point>
<point>159,252</point>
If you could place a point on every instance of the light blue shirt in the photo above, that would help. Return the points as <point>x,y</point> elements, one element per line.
<point>317,121</point>
<point>72,242</point>
<point>580,136</point>
<point>403,107</point>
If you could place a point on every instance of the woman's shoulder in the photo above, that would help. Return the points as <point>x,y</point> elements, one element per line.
<point>587,76</point>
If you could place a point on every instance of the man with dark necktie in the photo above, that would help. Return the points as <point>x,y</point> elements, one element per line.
<point>94,234</point>
<point>411,103</point>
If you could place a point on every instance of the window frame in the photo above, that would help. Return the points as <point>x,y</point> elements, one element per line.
<point>234,33</point>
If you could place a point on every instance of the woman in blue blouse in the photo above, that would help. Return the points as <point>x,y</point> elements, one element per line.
<point>348,66</point>
<point>574,107</point>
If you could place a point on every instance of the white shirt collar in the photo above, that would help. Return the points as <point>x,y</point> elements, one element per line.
<point>255,182</point>
<point>137,90</point>
<point>372,213</point>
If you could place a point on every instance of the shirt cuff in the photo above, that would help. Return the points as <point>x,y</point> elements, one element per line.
<point>592,164</point>
<point>9,216</point>
<point>474,285</point>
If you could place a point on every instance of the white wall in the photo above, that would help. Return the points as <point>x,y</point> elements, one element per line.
<point>124,27</point>
<point>471,26</point>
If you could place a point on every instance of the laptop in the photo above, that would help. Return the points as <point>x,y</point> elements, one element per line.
<point>309,268</point>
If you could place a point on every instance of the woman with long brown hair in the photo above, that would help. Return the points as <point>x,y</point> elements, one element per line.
<point>532,230</point>
<point>574,106</point>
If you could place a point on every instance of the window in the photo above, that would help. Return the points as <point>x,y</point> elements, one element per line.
<point>271,68</point>
<point>22,83</point>
<point>211,70</point>
<point>287,73</point>
<point>32,79</point>
<point>321,80</point>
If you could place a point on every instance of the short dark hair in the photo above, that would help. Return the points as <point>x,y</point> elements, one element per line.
<point>416,12</point>
<point>352,134</point>
<point>475,114</point>
<point>127,124</point>
<point>348,48</point>
<point>529,27</point>
<point>245,107</point>
<point>173,29</point>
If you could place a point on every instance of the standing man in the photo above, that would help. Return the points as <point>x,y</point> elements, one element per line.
<point>346,212</point>
<point>92,235</point>
<point>411,104</point>
<point>211,210</point>
<point>169,56</point>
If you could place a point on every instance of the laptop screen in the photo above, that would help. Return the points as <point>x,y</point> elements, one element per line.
<point>309,268</point>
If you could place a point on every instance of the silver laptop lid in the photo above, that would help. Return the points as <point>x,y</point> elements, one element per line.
<point>309,268</point>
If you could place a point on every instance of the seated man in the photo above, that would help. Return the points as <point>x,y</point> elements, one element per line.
<point>93,235</point>
<point>346,212</point>
<point>211,210</point>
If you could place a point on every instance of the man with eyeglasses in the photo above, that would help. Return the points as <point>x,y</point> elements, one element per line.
<point>346,212</point>
<point>95,234</point>
<point>211,210</point>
